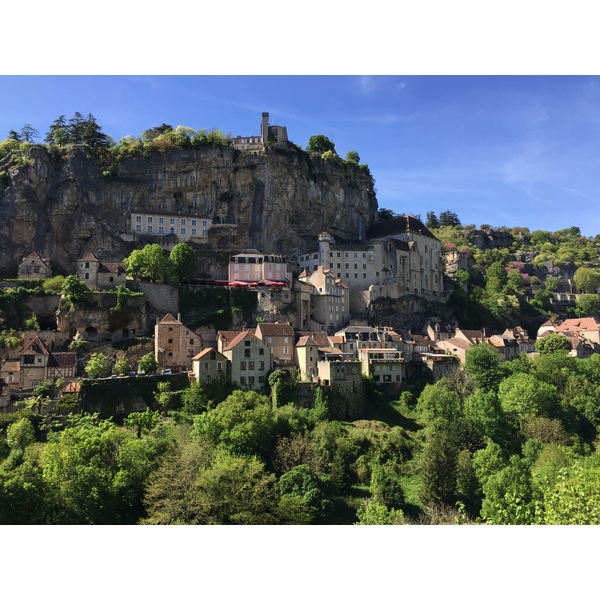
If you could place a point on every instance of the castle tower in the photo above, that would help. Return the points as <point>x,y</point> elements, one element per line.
<point>325,240</point>
<point>264,128</point>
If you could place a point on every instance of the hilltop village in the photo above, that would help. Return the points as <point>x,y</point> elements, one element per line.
<point>313,313</point>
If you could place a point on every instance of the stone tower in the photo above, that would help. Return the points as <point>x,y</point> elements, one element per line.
<point>264,128</point>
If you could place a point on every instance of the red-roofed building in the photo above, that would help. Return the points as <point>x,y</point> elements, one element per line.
<point>587,327</point>
<point>280,338</point>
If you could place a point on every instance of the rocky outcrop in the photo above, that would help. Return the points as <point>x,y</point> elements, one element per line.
<point>490,238</point>
<point>61,205</point>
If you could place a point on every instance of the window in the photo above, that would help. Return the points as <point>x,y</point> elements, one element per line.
<point>161,230</point>
<point>242,381</point>
<point>261,351</point>
<point>204,232</point>
<point>191,341</point>
<point>149,228</point>
<point>219,366</point>
<point>170,355</point>
<point>161,219</point>
<point>261,365</point>
<point>87,265</point>
<point>171,221</point>
<point>193,231</point>
<point>28,360</point>
<point>87,275</point>
<point>247,352</point>
<point>138,218</point>
<point>251,380</point>
<point>250,365</point>
<point>243,365</point>
<point>204,223</point>
<point>206,366</point>
<point>149,219</point>
<point>183,231</point>
<point>170,341</point>
<point>247,343</point>
<point>138,227</point>
<point>172,230</point>
<point>261,379</point>
<point>182,222</point>
<point>193,221</point>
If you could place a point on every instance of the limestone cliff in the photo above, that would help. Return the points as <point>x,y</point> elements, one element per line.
<point>61,205</point>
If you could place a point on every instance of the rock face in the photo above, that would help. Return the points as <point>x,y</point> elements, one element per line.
<point>61,205</point>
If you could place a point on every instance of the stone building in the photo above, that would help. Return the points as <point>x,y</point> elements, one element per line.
<point>329,300</point>
<point>98,275</point>
<point>280,338</point>
<point>174,344</point>
<point>210,365</point>
<point>37,364</point>
<point>250,360</point>
<point>274,133</point>
<point>33,266</point>
<point>254,267</point>
<point>184,227</point>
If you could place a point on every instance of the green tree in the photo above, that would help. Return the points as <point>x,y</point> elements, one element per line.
<point>183,262</point>
<point>58,133</point>
<point>373,513</point>
<point>142,421</point>
<point>29,133</point>
<point>386,488</point>
<point>22,495</point>
<point>194,400</point>
<point>20,434</point>
<point>121,366</point>
<point>587,279</point>
<point>432,221</point>
<point>483,365</point>
<point>163,395</point>
<point>552,343</point>
<point>319,144</point>
<point>79,469</point>
<point>76,293</point>
<point>449,219</point>
<point>310,491</point>
<point>352,157</point>
<point>588,305</point>
<point>524,394</point>
<point>97,365</point>
<point>148,262</point>
<point>147,364</point>
<point>509,496</point>
<point>438,470</point>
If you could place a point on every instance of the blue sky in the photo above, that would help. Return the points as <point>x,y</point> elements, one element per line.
<point>502,150</point>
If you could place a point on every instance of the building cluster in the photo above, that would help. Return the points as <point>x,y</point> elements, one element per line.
<point>246,357</point>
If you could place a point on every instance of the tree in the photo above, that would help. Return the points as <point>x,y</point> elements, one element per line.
<point>148,262</point>
<point>449,219</point>
<point>352,157</point>
<point>97,365</point>
<point>121,366</point>
<point>319,144</point>
<point>28,133</point>
<point>76,293</point>
<point>587,305</point>
<point>386,214</point>
<point>92,136</point>
<point>141,421</point>
<point>163,395</point>
<point>13,135</point>
<point>373,513</point>
<point>58,133</point>
<point>438,470</point>
<point>308,488</point>
<point>523,394</point>
<point>554,342</point>
<point>386,489</point>
<point>76,128</point>
<point>20,434</point>
<point>147,364</point>
<point>482,363</point>
<point>183,262</point>
<point>586,279</point>
<point>432,221</point>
